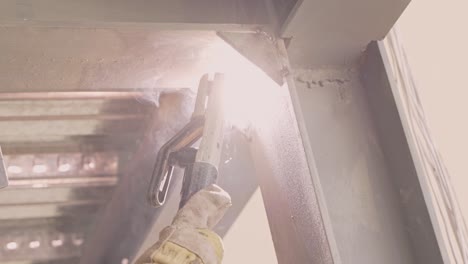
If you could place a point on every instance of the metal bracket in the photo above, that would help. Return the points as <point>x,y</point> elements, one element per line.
<point>261,49</point>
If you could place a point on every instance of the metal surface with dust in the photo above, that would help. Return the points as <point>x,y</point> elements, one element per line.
<point>363,204</point>
<point>336,32</point>
<point>391,120</point>
<point>130,13</point>
<point>293,209</point>
<point>76,59</point>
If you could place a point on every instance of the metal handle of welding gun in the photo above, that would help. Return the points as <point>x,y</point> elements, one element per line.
<point>206,123</point>
<point>164,168</point>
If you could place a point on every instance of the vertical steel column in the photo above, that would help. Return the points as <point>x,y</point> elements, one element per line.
<point>293,201</point>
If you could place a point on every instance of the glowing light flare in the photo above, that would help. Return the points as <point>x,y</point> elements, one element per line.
<point>245,101</point>
<point>250,96</point>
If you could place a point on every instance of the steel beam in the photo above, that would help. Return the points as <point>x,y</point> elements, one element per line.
<point>335,32</point>
<point>427,166</point>
<point>158,15</point>
<point>364,169</point>
<point>344,179</point>
<point>287,177</point>
<point>54,195</point>
<point>18,212</point>
<point>103,59</point>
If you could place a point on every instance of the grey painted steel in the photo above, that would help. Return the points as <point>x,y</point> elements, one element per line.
<point>73,107</point>
<point>282,9</point>
<point>398,158</point>
<point>62,195</point>
<point>295,214</point>
<point>17,212</point>
<point>103,59</point>
<point>285,169</point>
<point>158,15</point>
<point>446,217</point>
<point>30,129</point>
<point>373,196</point>
<point>363,204</point>
<point>335,32</point>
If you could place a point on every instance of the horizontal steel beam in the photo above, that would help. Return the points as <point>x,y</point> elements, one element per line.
<point>16,129</point>
<point>45,118</point>
<point>335,32</point>
<point>158,15</point>
<point>139,60</point>
<point>123,144</point>
<point>21,196</point>
<point>58,261</point>
<point>74,108</point>
<point>70,95</point>
<point>63,182</point>
<point>18,212</point>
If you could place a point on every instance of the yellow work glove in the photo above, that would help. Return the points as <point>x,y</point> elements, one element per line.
<point>189,239</point>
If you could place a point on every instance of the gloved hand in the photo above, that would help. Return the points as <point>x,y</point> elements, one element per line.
<point>189,239</point>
